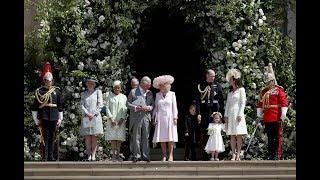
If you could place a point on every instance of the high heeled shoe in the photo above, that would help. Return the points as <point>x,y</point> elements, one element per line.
<point>89,158</point>
<point>164,159</point>
<point>238,157</point>
<point>233,157</point>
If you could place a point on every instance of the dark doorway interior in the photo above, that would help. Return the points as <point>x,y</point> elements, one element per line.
<point>166,45</point>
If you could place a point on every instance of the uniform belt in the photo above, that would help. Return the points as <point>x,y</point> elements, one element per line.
<point>214,101</point>
<point>51,105</point>
<point>273,106</point>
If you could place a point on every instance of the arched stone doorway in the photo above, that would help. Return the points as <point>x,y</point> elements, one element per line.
<point>164,39</point>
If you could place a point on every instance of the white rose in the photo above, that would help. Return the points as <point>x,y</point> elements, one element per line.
<point>239,42</point>
<point>68,139</point>
<point>87,2</point>
<point>244,47</point>
<point>101,19</point>
<point>64,143</point>
<point>81,154</point>
<point>236,49</point>
<point>103,45</point>
<point>245,41</point>
<point>254,86</point>
<point>100,148</point>
<point>239,45</point>
<point>264,18</point>
<point>94,43</point>
<point>260,22</point>
<point>83,32</point>
<point>58,39</point>
<point>72,116</point>
<point>261,12</point>
<point>249,35</point>
<point>75,149</point>
<point>254,24</point>
<point>249,27</point>
<point>76,95</point>
<point>233,54</point>
<point>228,53</point>
<point>81,149</point>
<point>235,44</point>
<point>243,33</point>
<point>248,50</point>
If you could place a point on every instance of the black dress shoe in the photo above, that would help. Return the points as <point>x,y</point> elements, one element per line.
<point>134,159</point>
<point>145,159</point>
<point>271,158</point>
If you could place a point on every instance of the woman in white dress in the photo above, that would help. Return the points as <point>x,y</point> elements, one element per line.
<point>166,116</point>
<point>234,113</point>
<point>91,125</point>
<point>116,123</point>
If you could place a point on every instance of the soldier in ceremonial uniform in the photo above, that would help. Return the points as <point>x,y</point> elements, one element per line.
<point>47,111</point>
<point>272,108</point>
<point>209,100</point>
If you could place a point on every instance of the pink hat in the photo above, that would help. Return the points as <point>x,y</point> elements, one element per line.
<point>162,80</point>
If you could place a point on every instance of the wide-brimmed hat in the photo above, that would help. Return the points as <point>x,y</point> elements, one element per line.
<point>164,79</point>
<point>235,73</point>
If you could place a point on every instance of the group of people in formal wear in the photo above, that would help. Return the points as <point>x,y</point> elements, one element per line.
<point>208,116</point>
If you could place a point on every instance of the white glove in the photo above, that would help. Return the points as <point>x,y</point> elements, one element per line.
<point>259,112</point>
<point>283,112</point>
<point>35,117</point>
<point>60,118</point>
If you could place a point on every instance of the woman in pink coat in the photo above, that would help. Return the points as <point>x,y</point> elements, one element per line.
<point>166,115</point>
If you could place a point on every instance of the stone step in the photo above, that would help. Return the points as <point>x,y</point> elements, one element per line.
<point>168,177</point>
<point>158,164</point>
<point>192,171</point>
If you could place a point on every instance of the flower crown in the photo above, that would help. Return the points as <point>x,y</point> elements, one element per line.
<point>214,113</point>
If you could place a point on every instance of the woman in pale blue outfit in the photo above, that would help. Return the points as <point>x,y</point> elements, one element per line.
<point>91,125</point>
<point>116,115</point>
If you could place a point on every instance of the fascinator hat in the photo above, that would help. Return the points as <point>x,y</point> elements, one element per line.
<point>235,73</point>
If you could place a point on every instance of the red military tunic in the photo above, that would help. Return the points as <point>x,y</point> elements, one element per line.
<point>271,101</point>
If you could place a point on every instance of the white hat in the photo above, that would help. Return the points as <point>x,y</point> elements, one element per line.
<point>116,83</point>
<point>235,73</point>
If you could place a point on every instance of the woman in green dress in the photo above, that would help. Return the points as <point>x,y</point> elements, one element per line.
<point>116,119</point>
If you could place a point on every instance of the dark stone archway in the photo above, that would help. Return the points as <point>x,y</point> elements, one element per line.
<point>164,39</point>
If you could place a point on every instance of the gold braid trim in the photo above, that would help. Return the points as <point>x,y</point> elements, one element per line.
<point>265,98</point>
<point>205,92</point>
<point>44,99</point>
